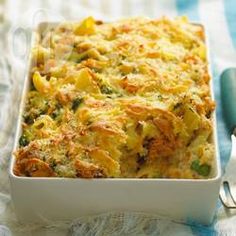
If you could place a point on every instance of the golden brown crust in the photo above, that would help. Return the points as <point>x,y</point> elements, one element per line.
<point>88,170</point>
<point>124,99</point>
<point>33,167</point>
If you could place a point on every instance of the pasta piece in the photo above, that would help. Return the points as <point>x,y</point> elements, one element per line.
<point>191,119</point>
<point>86,27</point>
<point>88,170</point>
<point>84,81</point>
<point>40,83</point>
<point>102,158</point>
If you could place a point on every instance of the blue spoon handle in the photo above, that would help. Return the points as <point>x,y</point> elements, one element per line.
<point>228,96</point>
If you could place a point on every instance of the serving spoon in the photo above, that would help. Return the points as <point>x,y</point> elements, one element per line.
<point>228,95</point>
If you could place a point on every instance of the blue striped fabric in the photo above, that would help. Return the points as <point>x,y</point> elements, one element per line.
<point>230,13</point>
<point>188,8</point>
<point>223,134</point>
<point>191,9</point>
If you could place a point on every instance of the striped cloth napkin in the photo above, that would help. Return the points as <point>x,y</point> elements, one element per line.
<point>219,17</point>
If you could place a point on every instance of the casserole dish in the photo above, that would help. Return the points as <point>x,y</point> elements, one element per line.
<point>54,198</point>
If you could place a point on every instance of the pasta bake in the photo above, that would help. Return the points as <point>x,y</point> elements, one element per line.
<point>126,99</point>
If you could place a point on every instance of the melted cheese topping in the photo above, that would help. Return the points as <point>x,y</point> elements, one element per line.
<point>124,99</point>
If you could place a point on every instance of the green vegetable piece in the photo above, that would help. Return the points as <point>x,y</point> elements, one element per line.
<point>203,169</point>
<point>53,164</point>
<point>76,103</point>
<point>106,90</point>
<point>55,114</point>
<point>23,141</point>
<point>44,109</point>
<point>57,111</point>
<point>78,57</point>
<point>29,119</point>
<point>195,165</point>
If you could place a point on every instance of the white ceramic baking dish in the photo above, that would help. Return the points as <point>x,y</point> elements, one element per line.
<point>41,199</point>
